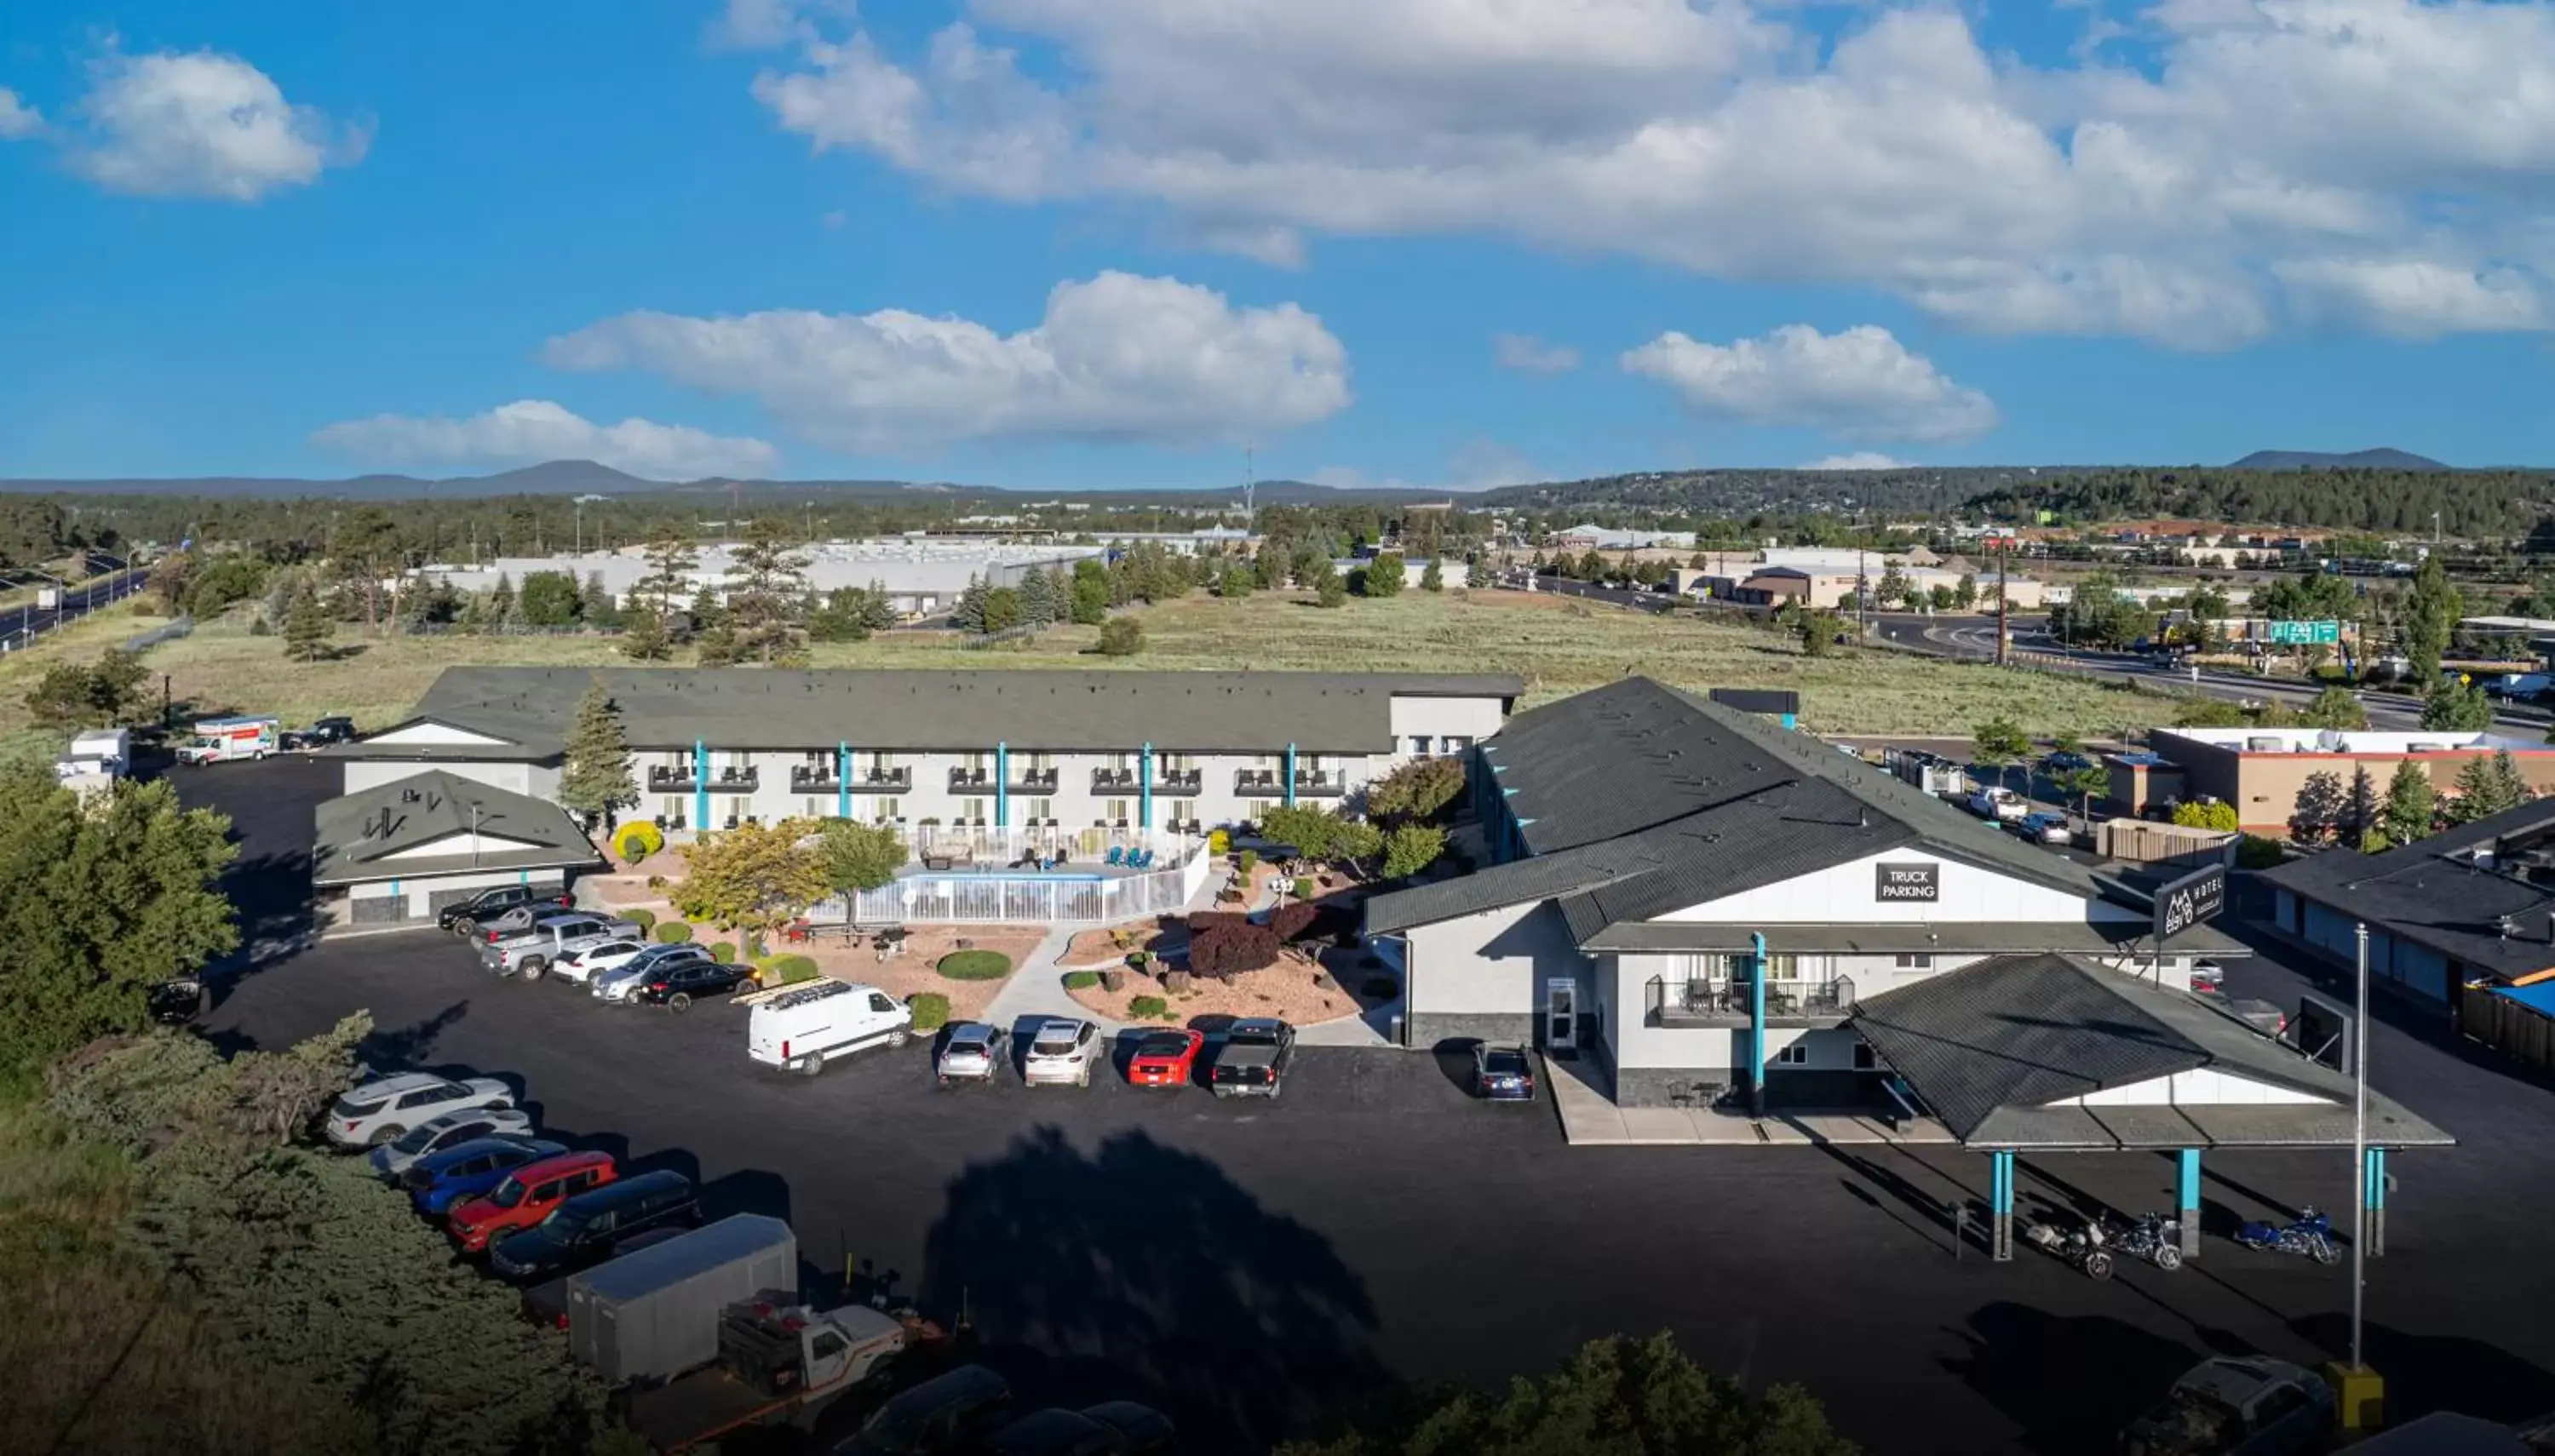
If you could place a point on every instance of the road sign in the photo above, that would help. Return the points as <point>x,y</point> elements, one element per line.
<point>2307,633</point>
<point>2189,901</point>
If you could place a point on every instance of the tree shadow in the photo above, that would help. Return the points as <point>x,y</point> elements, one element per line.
<point>2072,1383</point>
<point>1144,1273</point>
<point>391,1049</point>
<point>1454,1058</point>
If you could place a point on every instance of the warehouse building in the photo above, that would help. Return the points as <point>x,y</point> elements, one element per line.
<point>920,576</point>
<point>2261,771</point>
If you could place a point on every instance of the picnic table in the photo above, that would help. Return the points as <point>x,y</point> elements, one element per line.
<point>799,933</point>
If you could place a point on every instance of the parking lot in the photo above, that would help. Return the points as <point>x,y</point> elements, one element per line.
<point>1248,1266</point>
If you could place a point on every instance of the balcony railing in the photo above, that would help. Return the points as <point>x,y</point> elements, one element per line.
<point>870,779</point>
<point>1272,783</point>
<point>1178,780</point>
<point>1032,780</point>
<point>670,778</point>
<point>814,778</point>
<point>1724,1002</point>
<point>1113,781</point>
<point>681,778</point>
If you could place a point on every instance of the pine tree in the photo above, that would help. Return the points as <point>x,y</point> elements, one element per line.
<point>1329,590</point>
<point>1237,582</point>
<point>2510,786</point>
<point>878,609</point>
<point>767,596</point>
<point>2482,793</point>
<point>1090,594</point>
<point>1038,598</point>
<point>2360,808</point>
<point>307,627</point>
<point>474,617</point>
<point>595,607</point>
<point>1433,578</point>
<point>595,780</point>
<point>504,613</point>
<point>670,563</point>
<point>2410,803</point>
<point>969,614</point>
<point>2431,612</point>
<point>643,636</point>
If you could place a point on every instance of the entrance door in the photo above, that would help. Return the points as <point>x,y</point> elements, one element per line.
<point>1560,1014</point>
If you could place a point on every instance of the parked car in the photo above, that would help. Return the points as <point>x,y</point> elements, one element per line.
<point>584,964</point>
<point>527,1195</point>
<point>1165,1058</point>
<point>178,999</point>
<point>622,982</point>
<point>320,734</point>
<point>677,984</point>
<point>2518,687</point>
<point>1994,802</point>
<point>2237,1406</point>
<point>2208,978</point>
<point>2041,826</point>
<point>946,1414</point>
<point>467,917</point>
<point>392,1158</point>
<point>2066,761</point>
<point>799,1029</point>
<point>529,953</point>
<point>583,1231</point>
<point>462,1171</point>
<point>1502,1073</point>
<point>2262,1016</point>
<point>1141,1430</point>
<point>1253,1060</point>
<point>971,1052</point>
<point>1056,1431</point>
<point>384,1109</point>
<point>1062,1051</point>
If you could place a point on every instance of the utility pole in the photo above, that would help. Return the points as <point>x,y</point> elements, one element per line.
<point>2001,555</point>
<point>2359,1148</point>
<point>1250,492</point>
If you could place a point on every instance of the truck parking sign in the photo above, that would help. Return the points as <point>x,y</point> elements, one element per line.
<point>1910,880</point>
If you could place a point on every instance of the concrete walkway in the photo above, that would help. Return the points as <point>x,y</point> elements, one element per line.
<point>1036,991</point>
<point>1584,1096</point>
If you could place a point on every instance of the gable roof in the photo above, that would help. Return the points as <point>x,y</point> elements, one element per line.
<point>889,709</point>
<point>1989,1046</point>
<point>2432,892</point>
<point>369,834</point>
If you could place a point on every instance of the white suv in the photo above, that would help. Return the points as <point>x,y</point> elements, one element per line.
<point>602,958</point>
<point>380,1111</point>
<point>531,953</point>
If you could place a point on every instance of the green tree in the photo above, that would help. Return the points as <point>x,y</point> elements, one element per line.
<point>1313,831</point>
<point>669,578</point>
<point>1431,577</point>
<point>1965,592</point>
<point>2335,708</point>
<point>643,636</point>
<point>858,855</point>
<point>1122,636</point>
<point>2081,785</point>
<point>2361,809</point>
<point>1999,743</point>
<point>1617,1396</point>
<point>548,599</point>
<point>2482,793</point>
<point>1817,631</point>
<point>767,596</point>
<point>717,646</point>
<point>1089,599</point>
<point>2457,707</point>
<point>968,613</point>
<point>1384,576</point>
<point>850,614</point>
<point>595,606</point>
<point>2208,712</point>
<point>308,626</point>
<point>1892,590</point>
<point>595,780</point>
<point>2510,786</point>
<point>2431,612</point>
<point>1001,609</point>
<point>101,695</point>
<point>1039,604</point>
<point>1410,848</point>
<point>104,902</point>
<point>1423,788</point>
<point>2410,803</point>
<point>1237,581</point>
<point>751,878</point>
<point>2319,807</point>
<point>170,581</point>
<point>504,613</point>
<point>2213,814</point>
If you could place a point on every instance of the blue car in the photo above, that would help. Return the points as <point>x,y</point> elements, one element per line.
<point>467,1171</point>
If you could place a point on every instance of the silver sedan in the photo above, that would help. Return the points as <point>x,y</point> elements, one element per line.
<point>1064,1051</point>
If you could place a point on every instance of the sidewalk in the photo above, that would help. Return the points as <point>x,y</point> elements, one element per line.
<point>1584,1096</point>
<point>1036,991</point>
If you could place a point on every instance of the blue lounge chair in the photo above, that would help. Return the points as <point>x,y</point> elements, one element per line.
<point>1142,859</point>
<point>1116,854</point>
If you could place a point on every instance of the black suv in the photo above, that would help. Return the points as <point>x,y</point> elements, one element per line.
<point>676,987</point>
<point>590,1228</point>
<point>321,734</point>
<point>944,1413</point>
<point>463,919</point>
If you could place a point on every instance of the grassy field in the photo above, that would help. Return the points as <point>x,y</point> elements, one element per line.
<point>1559,646</point>
<point>82,641</point>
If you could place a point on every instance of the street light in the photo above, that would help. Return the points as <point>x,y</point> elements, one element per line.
<point>2358,1382</point>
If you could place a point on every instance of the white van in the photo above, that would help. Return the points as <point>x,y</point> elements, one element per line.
<point>799,1029</point>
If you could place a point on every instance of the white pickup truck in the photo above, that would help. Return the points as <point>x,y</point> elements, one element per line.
<point>1994,802</point>
<point>778,1364</point>
<point>530,953</point>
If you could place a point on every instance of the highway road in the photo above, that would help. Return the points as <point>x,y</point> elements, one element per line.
<point>20,626</point>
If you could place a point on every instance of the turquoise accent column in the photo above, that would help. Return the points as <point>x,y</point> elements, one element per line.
<point>1792,723</point>
<point>1756,1024</point>
<point>2372,1193</point>
<point>700,786</point>
<point>1145,787</point>
<point>2186,1201</point>
<point>1290,776</point>
<point>2000,1204</point>
<point>842,781</point>
<point>1002,785</point>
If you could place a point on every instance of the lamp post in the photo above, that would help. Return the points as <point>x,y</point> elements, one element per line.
<point>2358,1140</point>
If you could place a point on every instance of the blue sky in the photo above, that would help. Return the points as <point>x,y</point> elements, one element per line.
<point>1081,243</point>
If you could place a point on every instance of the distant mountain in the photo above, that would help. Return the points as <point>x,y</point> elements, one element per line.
<point>2380,459</point>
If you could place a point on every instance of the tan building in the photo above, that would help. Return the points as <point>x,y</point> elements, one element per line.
<point>2260,770</point>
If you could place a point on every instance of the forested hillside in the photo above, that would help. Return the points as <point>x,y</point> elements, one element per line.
<point>2469,503</point>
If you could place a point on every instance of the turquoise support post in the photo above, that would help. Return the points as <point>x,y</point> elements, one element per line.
<point>1002,785</point>
<point>1290,776</point>
<point>700,786</point>
<point>1756,1024</point>
<point>2372,1193</point>
<point>842,781</point>
<point>1145,787</point>
<point>1791,722</point>
<point>2186,1200</point>
<point>2000,1204</point>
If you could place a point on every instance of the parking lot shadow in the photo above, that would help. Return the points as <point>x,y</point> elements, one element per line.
<point>2439,1372</point>
<point>2072,1383</point>
<point>1142,1272</point>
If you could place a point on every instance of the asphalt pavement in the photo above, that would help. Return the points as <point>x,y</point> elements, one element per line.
<point>1255,1269</point>
<point>21,625</point>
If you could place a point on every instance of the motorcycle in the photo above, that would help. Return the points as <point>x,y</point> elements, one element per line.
<point>2080,1248</point>
<point>2311,1234</point>
<point>2153,1238</point>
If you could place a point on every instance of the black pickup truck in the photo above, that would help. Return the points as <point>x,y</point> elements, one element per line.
<point>1253,1060</point>
<point>321,734</point>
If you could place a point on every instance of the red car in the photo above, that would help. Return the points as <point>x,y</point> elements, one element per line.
<point>1163,1058</point>
<point>528,1196</point>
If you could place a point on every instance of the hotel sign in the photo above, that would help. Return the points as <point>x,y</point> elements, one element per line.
<point>1914,882</point>
<point>2189,901</point>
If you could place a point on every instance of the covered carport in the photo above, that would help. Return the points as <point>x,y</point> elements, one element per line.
<point>2048,1054</point>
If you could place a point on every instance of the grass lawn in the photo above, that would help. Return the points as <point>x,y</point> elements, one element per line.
<point>82,641</point>
<point>1558,645</point>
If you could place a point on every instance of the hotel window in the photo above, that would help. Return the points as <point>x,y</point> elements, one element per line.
<point>1798,1055</point>
<point>1042,811</point>
<point>1915,961</point>
<point>671,808</point>
<point>887,810</point>
<point>1114,812</point>
<point>1457,743</point>
<point>1420,745</point>
<point>817,809</point>
<point>1184,812</point>
<point>971,811</point>
<point>881,765</point>
<point>1864,1058</point>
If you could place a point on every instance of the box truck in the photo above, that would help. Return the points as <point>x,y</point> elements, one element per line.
<point>220,740</point>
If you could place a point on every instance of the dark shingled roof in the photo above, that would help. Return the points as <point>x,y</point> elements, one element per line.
<point>1637,799</point>
<point>360,833</point>
<point>2432,892</point>
<point>1991,1046</point>
<point>889,709</point>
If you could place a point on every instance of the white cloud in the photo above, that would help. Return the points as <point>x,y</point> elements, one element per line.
<point>2414,297</point>
<point>1533,355</point>
<point>1857,461</point>
<point>2164,199</point>
<point>202,125</point>
<point>531,431</point>
<point>17,118</point>
<point>1117,358</point>
<point>1858,383</point>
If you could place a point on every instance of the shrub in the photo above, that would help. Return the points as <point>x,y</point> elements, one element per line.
<point>1139,959</point>
<point>673,932</point>
<point>644,920</point>
<point>656,882</point>
<point>724,952</point>
<point>1144,1007</point>
<point>1202,921</point>
<point>1303,887</point>
<point>975,965</point>
<point>1250,858</point>
<point>1218,842</point>
<point>786,970</point>
<point>1121,636</point>
<point>1081,980</point>
<point>931,1011</point>
<point>1291,921</point>
<point>1228,951</point>
<point>637,840</point>
<point>2255,852</point>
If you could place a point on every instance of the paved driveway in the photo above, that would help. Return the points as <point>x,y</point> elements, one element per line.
<point>1249,1266</point>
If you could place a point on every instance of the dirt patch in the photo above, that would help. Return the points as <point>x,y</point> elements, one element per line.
<point>1299,989</point>
<point>909,972</point>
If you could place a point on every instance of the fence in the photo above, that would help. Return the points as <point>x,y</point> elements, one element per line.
<point>2140,841</point>
<point>2510,1025</point>
<point>164,631</point>
<point>994,896</point>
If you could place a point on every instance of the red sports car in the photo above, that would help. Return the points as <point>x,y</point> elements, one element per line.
<point>1163,1058</point>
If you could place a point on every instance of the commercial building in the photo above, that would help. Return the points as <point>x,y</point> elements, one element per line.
<point>403,849</point>
<point>2261,770</point>
<point>1701,900</point>
<point>920,576</point>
